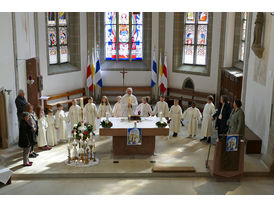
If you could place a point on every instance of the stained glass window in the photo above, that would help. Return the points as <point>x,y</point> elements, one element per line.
<point>57,37</point>
<point>195,38</point>
<point>243,36</point>
<point>123,37</point>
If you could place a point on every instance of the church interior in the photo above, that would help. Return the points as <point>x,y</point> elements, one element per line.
<point>54,58</point>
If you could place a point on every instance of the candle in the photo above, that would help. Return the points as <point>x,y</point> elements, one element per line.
<point>161,116</point>
<point>82,103</point>
<point>107,116</point>
<point>135,124</point>
<point>69,150</point>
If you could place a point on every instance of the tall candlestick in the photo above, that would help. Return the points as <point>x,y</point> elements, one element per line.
<point>82,110</point>
<point>82,103</point>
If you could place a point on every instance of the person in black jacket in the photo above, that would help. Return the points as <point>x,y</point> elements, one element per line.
<point>222,115</point>
<point>25,138</point>
<point>20,103</point>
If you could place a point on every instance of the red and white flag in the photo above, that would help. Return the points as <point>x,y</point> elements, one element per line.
<point>89,77</point>
<point>163,86</point>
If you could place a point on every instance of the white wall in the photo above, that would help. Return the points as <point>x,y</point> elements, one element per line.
<point>259,97</point>
<point>7,77</point>
<point>202,83</point>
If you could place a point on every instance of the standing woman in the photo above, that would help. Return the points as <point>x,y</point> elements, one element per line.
<point>236,122</point>
<point>33,121</point>
<point>104,108</point>
<point>222,116</point>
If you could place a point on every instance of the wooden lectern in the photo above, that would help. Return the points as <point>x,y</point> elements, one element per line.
<point>227,165</point>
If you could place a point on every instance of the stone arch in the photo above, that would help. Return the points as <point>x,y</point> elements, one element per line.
<point>188,84</point>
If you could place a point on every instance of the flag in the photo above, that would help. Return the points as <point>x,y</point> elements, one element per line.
<point>160,71</point>
<point>163,86</point>
<point>153,72</point>
<point>89,76</point>
<point>93,72</point>
<point>98,78</point>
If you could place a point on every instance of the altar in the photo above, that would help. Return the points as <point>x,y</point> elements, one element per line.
<point>121,144</point>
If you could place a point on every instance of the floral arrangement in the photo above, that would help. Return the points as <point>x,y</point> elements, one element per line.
<point>106,124</point>
<point>161,124</point>
<point>82,131</point>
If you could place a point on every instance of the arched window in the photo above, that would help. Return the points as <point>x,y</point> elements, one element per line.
<point>195,38</point>
<point>123,35</point>
<point>188,84</point>
<point>57,37</point>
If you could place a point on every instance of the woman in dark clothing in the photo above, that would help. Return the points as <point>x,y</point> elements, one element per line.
<point>34,123</point>
<point>222,115</point>
<point>25,137</point>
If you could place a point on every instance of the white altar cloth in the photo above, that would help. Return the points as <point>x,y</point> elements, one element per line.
<point>5,174</point>
<point>122,122</point>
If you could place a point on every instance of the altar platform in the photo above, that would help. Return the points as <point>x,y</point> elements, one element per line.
<point>179,152</point>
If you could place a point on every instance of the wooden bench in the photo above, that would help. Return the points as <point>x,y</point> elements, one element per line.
<point>113,91</point>
<point>185,96</point>
<point>253,142</point>
<point>66,95</point>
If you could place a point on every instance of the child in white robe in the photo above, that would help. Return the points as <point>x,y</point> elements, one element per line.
<point>117,111</point>
<point>161,106</point>
<point>144,109</point>
<point>42,130</point>
<point>104,108</point>
<point>208,112</point>
<point>51,131</point>
<point>193,115</point>
<point>74,114</point>
<point>175,114</point>
<point>61,123</point>
<point>90,113</point>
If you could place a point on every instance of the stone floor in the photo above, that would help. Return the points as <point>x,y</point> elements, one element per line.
<point>144,186</point>
<point>180,151</point>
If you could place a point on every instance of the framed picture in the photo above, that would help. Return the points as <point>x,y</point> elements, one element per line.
<point>232,143</point>
<point>134,136</point>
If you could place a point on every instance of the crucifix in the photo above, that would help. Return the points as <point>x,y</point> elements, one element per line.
<point>123,73</point>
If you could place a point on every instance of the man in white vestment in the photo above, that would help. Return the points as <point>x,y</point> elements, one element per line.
<point>128,103</point>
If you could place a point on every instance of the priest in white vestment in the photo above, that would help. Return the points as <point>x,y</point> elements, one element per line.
<point>208,112</point>
<point>74,115</point>
<point>128,103</point>
<point>161,106</point>
<point>193,115</point>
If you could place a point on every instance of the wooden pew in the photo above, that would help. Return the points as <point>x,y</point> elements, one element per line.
<point>66,95</point>
<point>185,96</point>
<point>253,142</point>
<point>113,91</point>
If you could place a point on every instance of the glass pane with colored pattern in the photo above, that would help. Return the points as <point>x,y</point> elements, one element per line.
<point>123,51</point>
<point>110,33</point>
<point>188,54</point>
<point>110,51</point>
<point>62,18</point>
<point>137,33</point>
<point>110,17</point>
<point>123,33</point>
<point>190,18</point>
<point>123,17</point>
<point>202,34</point>
<point>52,55</point>
<point>201,55</point>
<point>52,36</point>
<point>51,19</point>
<point>63,36</point>
<point>137,51</point>
<point>137,18</point>
<point>203,18</point>
<point>63,54</point>
<point>189,34</point>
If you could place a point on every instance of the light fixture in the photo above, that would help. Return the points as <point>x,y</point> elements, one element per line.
<point>8,91</point>
<point>30,81</point>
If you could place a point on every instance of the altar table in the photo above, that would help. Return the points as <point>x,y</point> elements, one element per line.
<point>119,134</point>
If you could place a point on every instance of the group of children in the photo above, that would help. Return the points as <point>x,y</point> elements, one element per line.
<point>52,128</point>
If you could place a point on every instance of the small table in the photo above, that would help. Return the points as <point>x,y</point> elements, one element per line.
<point>119,133</point>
